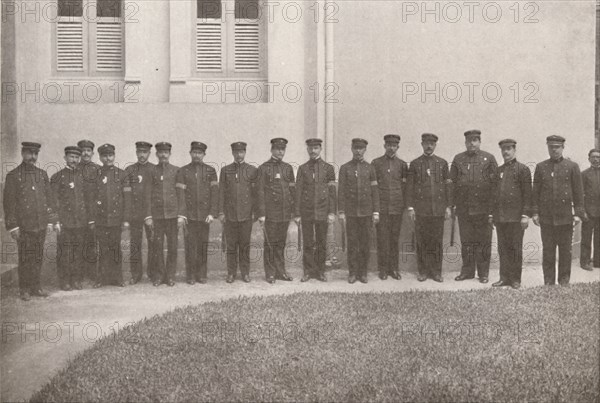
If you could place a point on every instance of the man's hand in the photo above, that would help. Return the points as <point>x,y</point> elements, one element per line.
<point>330,218</point>
<point>524,223</point>
<point>181,222</point>
<point>92,226</point>
<point>222,218</point>
<point>15,234</point>
<point>412,215</point>
<point>297,220</point>
<point>125,225</point>
<point>342,216</point>
<point>57,228</point>
<point>491,220</point>
<point>448,214</point>
<point>375,218</point>
<point>209,219</point>
<point>536,219</point>
<point>576,220</point>
<point>261,220</point>
<point>49,228</point>
<point>149,223</point>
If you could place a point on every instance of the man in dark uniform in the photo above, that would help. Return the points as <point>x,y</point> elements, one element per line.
<point>359,201</point>
<point>112,201</point>
<point>429,194</point>
<point>29,213</point>
<point>163,217</point>
<point>90,172</point>
<point>391,179</point>
<point>198,197</point>
<point>591,227</point>
<point>276,207</point>
<point>473,173</point>
<point>238,187</point>
<point>511,210</point>
<point>73,217</point>
<point>557,189</point>
<point>315,209</point>
<point>138,176</point>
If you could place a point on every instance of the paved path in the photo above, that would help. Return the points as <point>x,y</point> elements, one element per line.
<point>40,336</point>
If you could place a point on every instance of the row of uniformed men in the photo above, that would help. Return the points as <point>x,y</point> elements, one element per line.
<point>87,204</point>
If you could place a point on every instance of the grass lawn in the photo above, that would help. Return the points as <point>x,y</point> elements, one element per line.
<point>493,345</point>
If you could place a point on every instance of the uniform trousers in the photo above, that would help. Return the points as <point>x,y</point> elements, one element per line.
<point>70,258</point>
<point>31,256</point>
<point>314,250</point>
<point>590,230</point>
<point>388,234</point>
<point>165,227</point>
<point>196,250</point>
<point>135,257</point>
<point>110,261</point>
<point>510,250</point>
<point>476,244</point>
<point>276,236</point>
<point>237,239</point>
<point>556,236</point>
<point>358,233</point>
<point>429,236</point>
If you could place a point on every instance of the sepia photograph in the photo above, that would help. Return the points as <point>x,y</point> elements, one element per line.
<point>300,201</point>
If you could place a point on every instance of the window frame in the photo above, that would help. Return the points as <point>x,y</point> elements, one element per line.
<point>228,22</point>
<point>89,42</point>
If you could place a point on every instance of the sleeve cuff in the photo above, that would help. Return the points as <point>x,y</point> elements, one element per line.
<point>410,208</point>
<point>182,216</point>
<point>147,217</point>
<point>14,229</point>
<point>91,222</point>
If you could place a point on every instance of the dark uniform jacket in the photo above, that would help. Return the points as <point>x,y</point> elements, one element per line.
<point>557,188</point>
<point>90,172</point>
<point>112,197</point>
<point>512,196</point>
<point>277,191</point>
<point>315,190</point>
<point>473,176</point>
<point>238,191</point>
<point>28,202</point>
<point>429,187</point>
<point>139,177</point>
<point>358,192</point>
<point>591,189</point>
<point>197,191</point>
<point>70,198</point>
<point>391,178</point>
<point>163,192</point>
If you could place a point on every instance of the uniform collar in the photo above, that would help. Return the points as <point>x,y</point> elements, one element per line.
<point>428,156</point>
<point>511,161</point>
<point>390,158</point>
<point>357,161</point>
<point>556,161</point>
<point>276,160</point>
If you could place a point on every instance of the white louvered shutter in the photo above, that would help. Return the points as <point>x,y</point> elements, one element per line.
<point>109,45</point>
<point>69,44</point>
<point>247,47</point>
<point>209,45</point>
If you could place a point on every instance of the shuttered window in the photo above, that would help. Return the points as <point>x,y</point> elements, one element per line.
<point>89,37</point>
<point>229,44</point>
